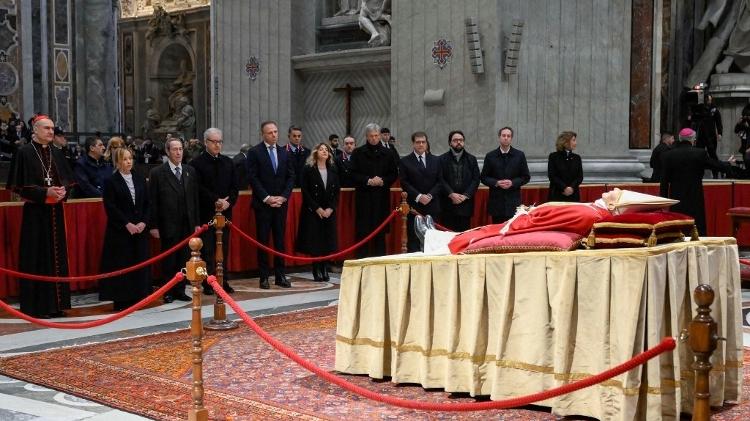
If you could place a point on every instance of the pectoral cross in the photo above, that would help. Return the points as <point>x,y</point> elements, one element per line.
<point>48,181</point>
<point>348,89</point>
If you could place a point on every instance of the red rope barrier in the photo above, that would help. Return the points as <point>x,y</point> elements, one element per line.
<point>35,277</point>
<point>85,325</point>
<point>667,344</point>
<point>316,258</point>
<point>745,262</point>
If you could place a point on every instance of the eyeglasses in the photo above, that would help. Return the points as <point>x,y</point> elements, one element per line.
<point>215,142</point>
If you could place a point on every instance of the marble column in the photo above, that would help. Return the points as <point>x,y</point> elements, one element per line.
<point>96,66</point>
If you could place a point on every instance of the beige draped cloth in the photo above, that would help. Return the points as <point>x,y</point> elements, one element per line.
<point>513,324</point>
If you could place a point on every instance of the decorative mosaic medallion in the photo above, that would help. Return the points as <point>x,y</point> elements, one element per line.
<point>8,78</point>
<point>442,51</point>
<point>252,68</point>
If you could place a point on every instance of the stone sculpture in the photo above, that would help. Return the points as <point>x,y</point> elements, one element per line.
<point>375,19</point>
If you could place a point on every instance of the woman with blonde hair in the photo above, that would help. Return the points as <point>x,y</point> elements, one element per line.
<point>564,170</point>
<point>316,234</point>
<point>114,143</point>
<point>126,237</point>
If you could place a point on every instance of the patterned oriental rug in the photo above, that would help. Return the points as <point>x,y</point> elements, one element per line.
<point>245,379</point>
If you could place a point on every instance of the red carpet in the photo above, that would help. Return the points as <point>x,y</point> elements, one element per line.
<point>244,378</point>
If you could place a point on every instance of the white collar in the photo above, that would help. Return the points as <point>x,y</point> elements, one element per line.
<point>173,166</point>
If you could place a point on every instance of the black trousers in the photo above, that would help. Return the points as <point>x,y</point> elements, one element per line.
<point>174,262</point>
<point>456,223</point>
<point>269,221</point>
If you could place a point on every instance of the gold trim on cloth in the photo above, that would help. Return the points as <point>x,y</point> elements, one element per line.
<point>669,384</point>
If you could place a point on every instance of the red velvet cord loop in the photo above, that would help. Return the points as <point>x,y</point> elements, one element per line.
<point>667,344</point>
<point>44,278</point>
<point>316,258</point>
<point>85,325</point>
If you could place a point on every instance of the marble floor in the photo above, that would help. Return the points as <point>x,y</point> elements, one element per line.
<point>22,401</point>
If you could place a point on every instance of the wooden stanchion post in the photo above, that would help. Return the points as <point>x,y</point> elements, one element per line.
<point>702,340</point>
<point>403,207</point>
<point>219,321</point>
<point>196,273</point>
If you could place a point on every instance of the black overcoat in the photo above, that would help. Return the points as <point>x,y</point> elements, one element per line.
<point>564,170</point>
<point>316,236</point>
<point>122,249</point>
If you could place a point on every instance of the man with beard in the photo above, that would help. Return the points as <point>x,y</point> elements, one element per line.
<point>373,172</point>
<point>460,173</point>
<point>41,176</point>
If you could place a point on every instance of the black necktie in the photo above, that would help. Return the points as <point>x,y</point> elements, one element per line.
<point>421,161</point>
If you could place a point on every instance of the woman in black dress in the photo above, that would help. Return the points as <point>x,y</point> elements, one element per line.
<point>564,170</point>
<point>126,237</point>
<point>316,234</point>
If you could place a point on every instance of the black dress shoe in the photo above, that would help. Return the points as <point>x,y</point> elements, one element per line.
<point>264,283</point>
<point>57,314</point>
<point>228,288</point>
<point>282,281</point>
<point>168,298</point>
<point>182,297</point>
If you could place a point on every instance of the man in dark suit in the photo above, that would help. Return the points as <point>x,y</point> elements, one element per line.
<point>420,179</point>
<point>460,175</point>
<point>217,184</point>
<point>682,178</point>
<point>504,171</point>
<point>297,153</point>
<point>240,167</point>
<point>385,139</point>
<point>667,139</point>
<point>344,162</point>
<point>173,188</point>
<point>373,171</point>
<point>271,174</point>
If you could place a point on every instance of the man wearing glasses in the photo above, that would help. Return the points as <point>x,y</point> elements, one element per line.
<point>217,185</point>
<point>460,175</point>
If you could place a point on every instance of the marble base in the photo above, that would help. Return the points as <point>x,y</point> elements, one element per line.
<point>730,85</point>
<point>598,170</point>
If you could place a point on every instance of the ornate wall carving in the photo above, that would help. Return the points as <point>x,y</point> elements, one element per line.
<point>141,8</point>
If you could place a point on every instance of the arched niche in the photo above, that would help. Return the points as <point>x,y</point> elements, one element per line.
<point>173,59</point>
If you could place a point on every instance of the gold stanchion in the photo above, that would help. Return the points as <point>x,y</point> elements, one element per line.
<point>219,321</point>
<point>404,209</point>
<point>196,274</point>
<point>702,339</point>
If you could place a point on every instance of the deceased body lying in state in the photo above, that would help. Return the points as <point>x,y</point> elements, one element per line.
<point>621,218</point>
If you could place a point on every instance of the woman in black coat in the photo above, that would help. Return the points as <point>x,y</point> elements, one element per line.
<point>316,234</point>
<point>564,170</point>
<point>126,237</point>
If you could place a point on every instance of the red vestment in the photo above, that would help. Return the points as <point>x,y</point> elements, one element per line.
<point>577,218</point>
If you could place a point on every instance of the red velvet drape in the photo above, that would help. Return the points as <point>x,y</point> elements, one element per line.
<point>85,221</point>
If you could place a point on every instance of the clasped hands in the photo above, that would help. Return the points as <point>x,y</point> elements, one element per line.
<point>276,201</point>
<point>135,228</point>
<point>504,184</point>
<point>375,181</point>
<point>324,213</point>
<point>457,198</point>
<point>57,193</point>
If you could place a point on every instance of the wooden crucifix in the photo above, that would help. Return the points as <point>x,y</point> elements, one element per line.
<point>348,89</point>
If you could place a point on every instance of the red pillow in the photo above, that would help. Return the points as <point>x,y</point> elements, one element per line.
<point>530,241</point>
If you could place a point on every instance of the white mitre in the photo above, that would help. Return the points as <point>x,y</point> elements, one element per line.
<point>631,201</point>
